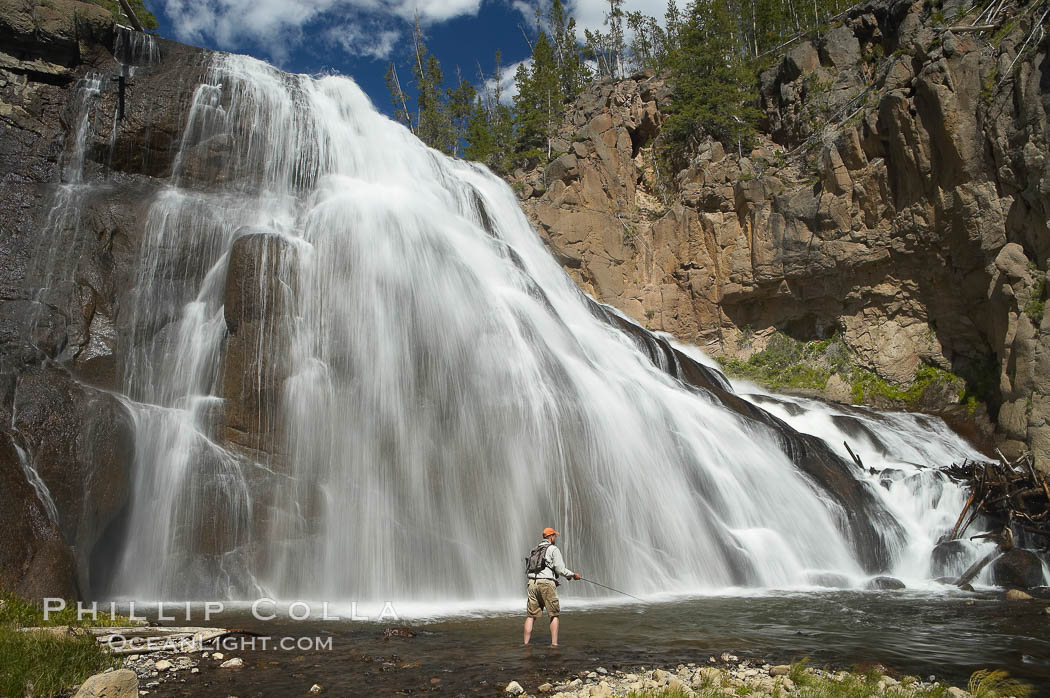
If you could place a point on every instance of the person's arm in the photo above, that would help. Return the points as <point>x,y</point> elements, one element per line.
<point>558,564</point>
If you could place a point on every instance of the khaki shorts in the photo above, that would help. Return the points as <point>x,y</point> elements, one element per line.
<point>542,595</point>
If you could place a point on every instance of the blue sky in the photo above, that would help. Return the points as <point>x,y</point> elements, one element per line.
<point>358,37</point>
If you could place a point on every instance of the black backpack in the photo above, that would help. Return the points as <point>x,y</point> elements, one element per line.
<point>536,562</point>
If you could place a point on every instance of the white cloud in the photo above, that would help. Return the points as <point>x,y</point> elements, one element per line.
<point>590,14</point>
<point>371,42</point>
<point>278,25</point>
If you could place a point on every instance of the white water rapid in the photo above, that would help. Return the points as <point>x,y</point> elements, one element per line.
<point>356,373</point>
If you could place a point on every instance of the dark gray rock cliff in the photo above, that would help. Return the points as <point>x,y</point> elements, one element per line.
<point>66,440</point>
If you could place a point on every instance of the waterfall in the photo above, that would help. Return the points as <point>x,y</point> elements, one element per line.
<point>355,372</point>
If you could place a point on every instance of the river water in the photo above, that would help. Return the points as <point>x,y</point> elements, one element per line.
<point>918,633</point>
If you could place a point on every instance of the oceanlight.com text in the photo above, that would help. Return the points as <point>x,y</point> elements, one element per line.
<point>231,643</point>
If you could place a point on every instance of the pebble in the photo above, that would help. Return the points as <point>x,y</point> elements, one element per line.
<point>235,663</point>
<point>514,688</point>
<point>602,670</point>
<point>162,665</point>
<point>1017,595</point>
<point>738,677</point>
<point>315,689</point>
<point>218,655</point>
<point>195,670</point>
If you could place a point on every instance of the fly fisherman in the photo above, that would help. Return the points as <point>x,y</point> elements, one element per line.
<point>542,567</point>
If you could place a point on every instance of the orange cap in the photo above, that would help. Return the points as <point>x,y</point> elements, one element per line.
<point>550,532</point>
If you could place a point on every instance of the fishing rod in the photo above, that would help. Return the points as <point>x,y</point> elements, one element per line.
<point>584,579</point>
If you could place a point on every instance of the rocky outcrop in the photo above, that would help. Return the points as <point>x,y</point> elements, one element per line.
<point>895,195</point>
<point>259,302</point>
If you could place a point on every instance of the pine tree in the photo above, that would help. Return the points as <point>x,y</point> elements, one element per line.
<point>672,28</point>
<point>397,97</point>
<point>572,71</point>
<point>460,101</point>
<point>714,90</point>
<point>540,102</point>
<point>616,46</point>
<point>648,42</point>
<point>480,137</point>
<point>433,125</point>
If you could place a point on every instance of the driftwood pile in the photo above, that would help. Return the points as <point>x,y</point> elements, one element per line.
<point>1014,494</point>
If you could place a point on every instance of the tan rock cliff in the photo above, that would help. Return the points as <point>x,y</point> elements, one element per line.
<point>897,195</point>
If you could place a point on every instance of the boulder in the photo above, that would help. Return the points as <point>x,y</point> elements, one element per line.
<point>563,168</point>
<point>1018,569</point>
<point>828,579</point>
<point>949,558</point>
<point>839,48</point>
<point>884,584</point>
<point>122,683</point>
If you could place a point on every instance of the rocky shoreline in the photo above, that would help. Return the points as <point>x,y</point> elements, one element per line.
<point>730,675</point>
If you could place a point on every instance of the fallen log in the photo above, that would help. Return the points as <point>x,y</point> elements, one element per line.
<point>1006,542</point>
<point>975,569</point>
<point>853,456</point>
<point>132,17</point>
<point>966,507</point>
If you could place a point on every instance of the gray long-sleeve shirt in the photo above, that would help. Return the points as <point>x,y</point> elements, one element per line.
<point>555,565</point>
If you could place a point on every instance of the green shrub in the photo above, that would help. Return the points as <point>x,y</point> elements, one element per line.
<point>46,664</point>
<point>789,363</point>
<point>799,672</point>
<point>42,664</point>
<point>1037,303</point>
<point>867,386</point>
<point>996,684</point>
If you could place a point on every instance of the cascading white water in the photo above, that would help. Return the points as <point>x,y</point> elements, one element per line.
<point>900,452</point>
<point>356,373</point>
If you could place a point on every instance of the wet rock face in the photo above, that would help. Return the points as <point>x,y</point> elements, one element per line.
<point>79,441</point>
<point>891,197</point>
<point>34,557</point>
<point>63,308</point>
<point>260,294</point>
